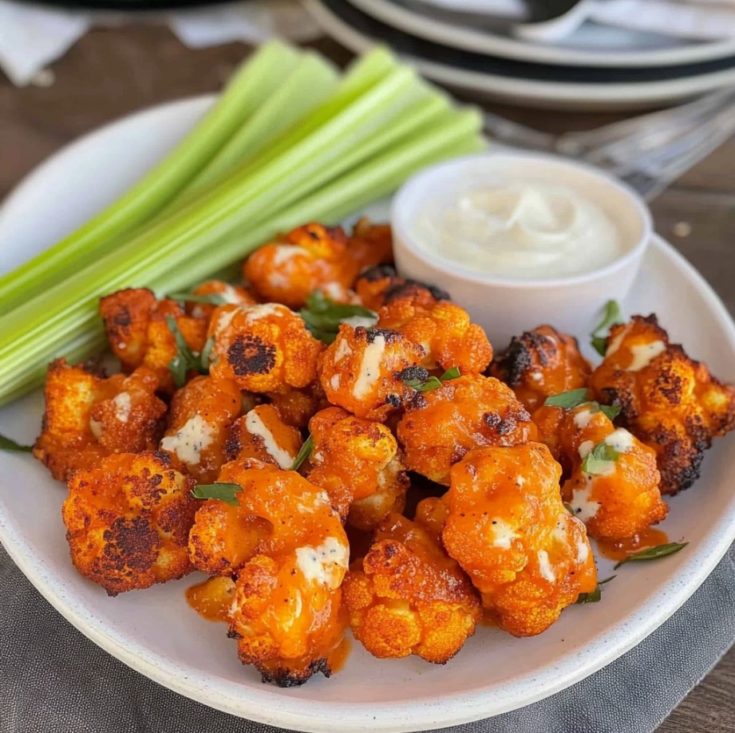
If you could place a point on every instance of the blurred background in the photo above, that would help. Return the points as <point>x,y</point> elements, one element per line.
<point>642,88</point>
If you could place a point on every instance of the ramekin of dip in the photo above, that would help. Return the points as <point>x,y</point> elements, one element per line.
<point>521,239</point>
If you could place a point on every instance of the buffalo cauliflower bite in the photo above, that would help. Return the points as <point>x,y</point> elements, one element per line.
<point>289,552</point>
<point>138,331</point>
<point>381,285</point>
<point>296,406</point>
<point>441,426</point>
<point>406,596</point>
<point>88,417</point>
<point>508,529</point>
<point>431,516</point>
<point>128,521</point>
<point>370,244</point>
<point>222,293</point>
<point>541,363</point>
<point>262,435</point>
<point>311,257</point>
<point>444,331</point>
<point>669,401</point>
<point>356,462</point>
<point>262,348</point>
<point>201,414</point>
<point>361,370</point>
<point>616,498</point>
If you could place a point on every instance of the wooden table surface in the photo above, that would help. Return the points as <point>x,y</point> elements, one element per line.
<point>111,72</point>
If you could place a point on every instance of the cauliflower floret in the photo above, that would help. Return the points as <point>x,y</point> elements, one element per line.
<point>201,414</point>
<point>508,529</point>
<point>262,435</point>
<point>441,426</point>
<point>615,498</point>
<point>262,348</point>
<point>356,461</point>
<point>289,553</point>
<point>541,363</point>
<point>361,370</point>
<point>381,286</point>
<point>370,244</point>
<point>88,417</point>
<point>128,521</point>
<point>311,257</point>
<point>296,406</point>
<point>138,331</point>
<point>407,597</point>
<point>669,401</point>
<point>444,331</point>
<point>227,294</point>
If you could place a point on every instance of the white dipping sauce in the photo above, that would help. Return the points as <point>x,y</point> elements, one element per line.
<point>520,229</point>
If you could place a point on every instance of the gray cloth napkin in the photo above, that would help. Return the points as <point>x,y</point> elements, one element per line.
<point>54,679</point>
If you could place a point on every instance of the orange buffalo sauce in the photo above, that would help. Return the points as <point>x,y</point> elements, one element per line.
<point>620,549</point>
<point>212,598</point>
<point>338,656</point>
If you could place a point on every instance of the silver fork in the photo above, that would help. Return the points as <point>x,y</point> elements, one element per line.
<point>648,152</point>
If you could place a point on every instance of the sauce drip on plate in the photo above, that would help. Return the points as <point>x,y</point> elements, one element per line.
<point>211,599</point>
<point>620,549</point>
<point>338,656</point>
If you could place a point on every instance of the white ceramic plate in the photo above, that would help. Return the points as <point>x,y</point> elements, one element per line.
<point>589,45</point>
<point>157,634</point>
<point>520,82</point>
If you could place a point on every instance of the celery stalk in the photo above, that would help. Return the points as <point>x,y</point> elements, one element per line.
<point>375,178</point>
<point>379,126</point>
<point>16,328</point>
<point>246,91</point>
<point>214,214</point>
<point>307,87</point>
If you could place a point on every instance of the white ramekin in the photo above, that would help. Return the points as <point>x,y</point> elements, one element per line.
<point>507,307</point>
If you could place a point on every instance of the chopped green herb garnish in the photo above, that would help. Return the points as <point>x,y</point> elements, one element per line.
<point>612,411</point>
<point>429,384</point>
<point>569,400</point>
<point>323,316</point>
<point>598,460</point>
<point>653,553</point>
<point>303,454</point>
<point>205,356</point>
<point>210,298</point>
<point>595,595</point>
<point>223,492</point>
<point>610,317</point>
<point>186,360</point>
<point>11,445</point>
<point>576,397</point>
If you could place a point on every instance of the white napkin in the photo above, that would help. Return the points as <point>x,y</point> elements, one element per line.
<point>32,37</point>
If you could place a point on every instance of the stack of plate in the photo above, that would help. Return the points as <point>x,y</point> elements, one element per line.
<point>596,67</point>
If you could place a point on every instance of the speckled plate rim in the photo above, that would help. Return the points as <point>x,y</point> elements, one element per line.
<point>264,705</point>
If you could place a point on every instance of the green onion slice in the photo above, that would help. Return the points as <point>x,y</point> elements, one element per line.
<point>596,595</point>
<point>303,454</point>
<point>598,460</point>
<point>610,317</point>
<point>323,316</point>
<point>653,553</point>
<point>430,383</point>
<point>10,445</point>
<point>224,492</point>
